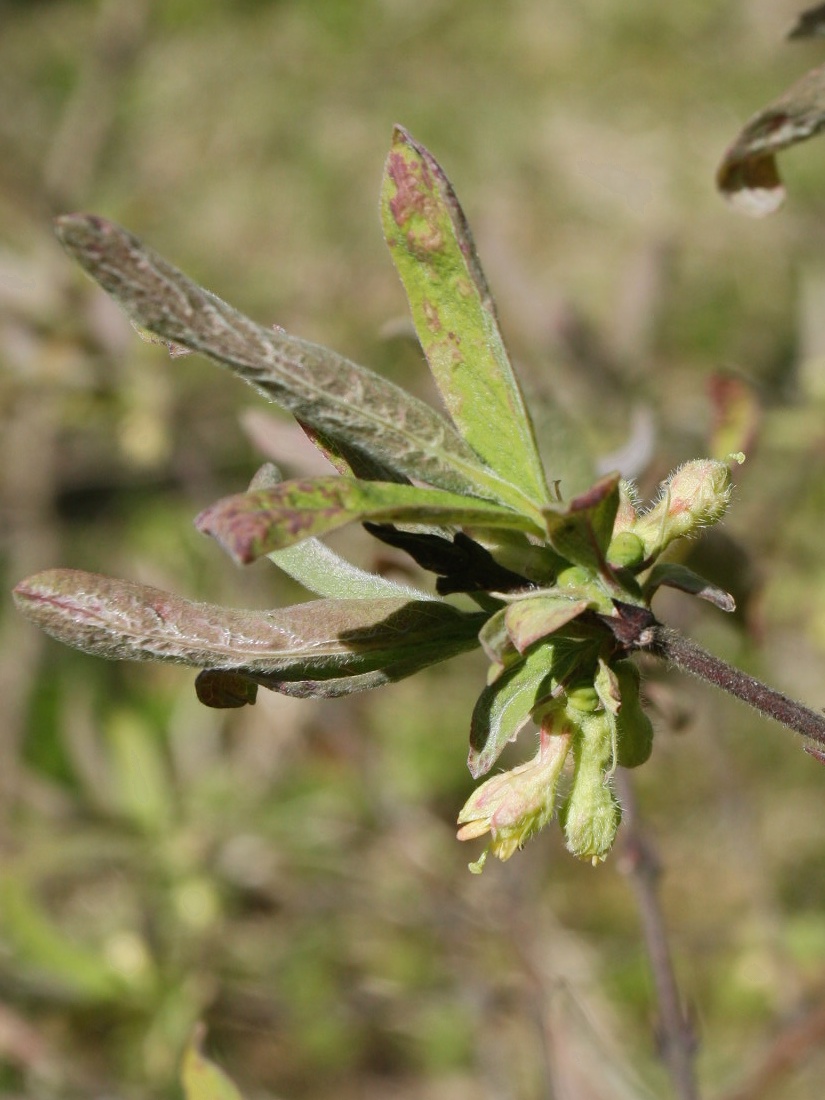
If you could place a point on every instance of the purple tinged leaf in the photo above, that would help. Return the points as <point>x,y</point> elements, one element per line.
<point>249,525</point>
<point>347,403</point>
<point>454,315</point>
<point>320,639</point>
<point>225,690</point>
<point>320,570</point>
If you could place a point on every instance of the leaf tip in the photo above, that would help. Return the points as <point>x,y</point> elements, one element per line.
<point>222,522</point>
<point>751,186</point>
<point>80,233</point>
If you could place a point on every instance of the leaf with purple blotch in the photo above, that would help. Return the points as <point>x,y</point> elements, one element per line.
<point>249,525</point>
<point>454,314</point>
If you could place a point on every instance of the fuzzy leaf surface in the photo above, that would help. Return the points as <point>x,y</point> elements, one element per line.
<point>505,706</point>
<point>249,525</point>
<point>671,574</point>
<point>320,570</point>
<point>534,618</point>
<point>748,176</point>
<point>322,389</point>
<point>320,639</point>
<point>454,314</point>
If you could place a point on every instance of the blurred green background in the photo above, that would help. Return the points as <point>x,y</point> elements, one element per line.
<point>289,873</point>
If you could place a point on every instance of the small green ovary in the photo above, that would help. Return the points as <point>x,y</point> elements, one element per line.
<point>626,550</point>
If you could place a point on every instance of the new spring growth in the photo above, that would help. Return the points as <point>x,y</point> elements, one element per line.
<point>559,590</point>
<point>694,496</point>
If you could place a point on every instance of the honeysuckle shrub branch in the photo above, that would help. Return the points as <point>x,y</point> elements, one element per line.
<point>562,588</point>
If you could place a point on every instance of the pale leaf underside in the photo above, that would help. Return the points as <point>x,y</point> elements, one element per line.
<point>748,176</point>
<point>320,639</point>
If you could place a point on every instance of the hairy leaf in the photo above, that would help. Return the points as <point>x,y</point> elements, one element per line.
<point>454,315</point>
<point>322,389</point>
<point>534,618</point>
<point>320,570</point>
<point>673,575</point>
<point>497,644</point>
<point>320,639</point>
<point>505,707</point>
<point>748,176</point>
<point>249,525</point>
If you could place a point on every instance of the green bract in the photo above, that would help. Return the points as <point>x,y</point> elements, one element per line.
<point>563,588</point>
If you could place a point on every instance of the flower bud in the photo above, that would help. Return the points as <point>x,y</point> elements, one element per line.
<point>626,514</point>
<point>634,730</point>
<point>696,495</point>
<point>591,815</point>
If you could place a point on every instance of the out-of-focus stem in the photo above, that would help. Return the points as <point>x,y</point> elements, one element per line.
<point>639,861</point>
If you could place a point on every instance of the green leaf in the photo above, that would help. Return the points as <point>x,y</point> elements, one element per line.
<point>582,533</point>
<point>322,389</point>
<point>395,669</point>
<point>140,788</point>
<point>249,525</point>
<point>505,707</point>
<point>202,1079</point>
<point>320,639</point>
<point>673,575</point>
<point>748,176</point>
<point>454,315</point>
<point>43,949</point>
<point>497,644</point>
<point>535,617</point>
